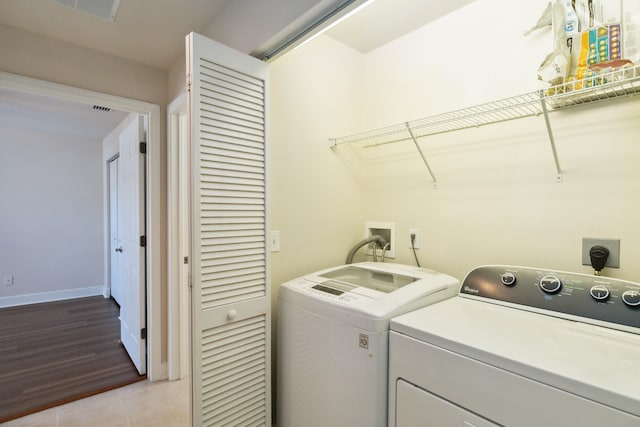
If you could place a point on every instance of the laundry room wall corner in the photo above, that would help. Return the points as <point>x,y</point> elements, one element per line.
<point>316,202</point>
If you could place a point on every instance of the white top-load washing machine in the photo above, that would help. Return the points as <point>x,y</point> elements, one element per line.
<point>519,347</point>
<point>333,340</point>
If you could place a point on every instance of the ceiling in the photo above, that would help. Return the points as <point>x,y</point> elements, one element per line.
<point>386,20</point>
<point>26,111</point>
<point>152,32</point>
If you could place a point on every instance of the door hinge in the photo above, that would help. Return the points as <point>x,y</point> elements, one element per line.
<point>143,241</point>
<point>143,333</point>
<point>143,148</point>
<point>188,82</point>
<point>186,260</point>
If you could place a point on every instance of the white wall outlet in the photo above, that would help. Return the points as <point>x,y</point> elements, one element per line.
<point>8,280</point>
<point>386,230</point>
<point>275,241</point>
<point>416,240</point>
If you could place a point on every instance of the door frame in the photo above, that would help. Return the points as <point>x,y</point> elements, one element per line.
<point>179,296</point>
<point>157,370</point>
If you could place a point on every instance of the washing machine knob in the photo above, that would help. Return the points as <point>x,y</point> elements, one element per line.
<point>599,292</point>
<point>550,284</point>
<point>631,298</point>
<point>508,279</point>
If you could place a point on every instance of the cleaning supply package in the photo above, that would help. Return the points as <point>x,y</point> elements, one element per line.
<point>594,42</point>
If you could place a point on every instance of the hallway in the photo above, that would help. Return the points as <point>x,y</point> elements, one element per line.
<point>56,352</point>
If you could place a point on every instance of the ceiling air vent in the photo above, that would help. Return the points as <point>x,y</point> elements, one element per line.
<point>103,9</point>
<point>101,108</point>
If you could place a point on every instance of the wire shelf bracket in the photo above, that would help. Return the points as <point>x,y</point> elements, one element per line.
<point>424,158</point>
<point>552,140</point>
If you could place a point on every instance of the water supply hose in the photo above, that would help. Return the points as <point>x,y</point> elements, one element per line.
<point>375,238</point>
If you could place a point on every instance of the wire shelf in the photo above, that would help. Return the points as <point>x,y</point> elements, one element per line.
<point>623,82</point>
<point>614,84</point>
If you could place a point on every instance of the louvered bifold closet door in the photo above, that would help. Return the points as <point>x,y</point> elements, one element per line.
<point>231,381</point>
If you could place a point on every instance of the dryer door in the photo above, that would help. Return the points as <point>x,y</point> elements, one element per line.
<point>417,407</point>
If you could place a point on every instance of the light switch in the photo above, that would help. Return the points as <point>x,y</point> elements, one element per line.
<point>275,241</point>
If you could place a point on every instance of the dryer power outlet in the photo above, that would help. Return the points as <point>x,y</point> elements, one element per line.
<point>612,244</point>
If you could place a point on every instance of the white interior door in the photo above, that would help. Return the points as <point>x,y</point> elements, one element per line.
<point>131,224</point>
<point>114,240</point>
<point>231,322</point>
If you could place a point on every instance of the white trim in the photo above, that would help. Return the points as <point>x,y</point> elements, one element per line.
<point>174,110</point>
<point>156,369</point>
<point>13,301</point>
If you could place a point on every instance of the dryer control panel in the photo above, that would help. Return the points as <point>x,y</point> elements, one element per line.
<point>592,299</point>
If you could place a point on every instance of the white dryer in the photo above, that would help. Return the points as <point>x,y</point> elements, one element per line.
<point>333,340</point>
<point>522,347</point>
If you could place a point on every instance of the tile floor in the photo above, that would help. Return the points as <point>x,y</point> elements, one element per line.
<point>142,404</point>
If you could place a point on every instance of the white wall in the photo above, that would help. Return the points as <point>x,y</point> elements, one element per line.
<point>51,219</point>
<point>474,55</point>
<point>36,56</point>
<point>497,200</point>
<point>316,203</point>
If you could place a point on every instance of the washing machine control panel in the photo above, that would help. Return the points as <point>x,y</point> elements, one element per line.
<point>337,292</point>
<point>594,299</point>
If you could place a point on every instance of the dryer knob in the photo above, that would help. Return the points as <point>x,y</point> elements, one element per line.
<point>550,284</point>
<point>631,298</point>
<point>508,279</point>
<point>599,292</point>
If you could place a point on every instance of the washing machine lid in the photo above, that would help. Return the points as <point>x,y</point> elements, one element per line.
<point>591,361</point>
<point>367,277</point>
<point>331,293</point>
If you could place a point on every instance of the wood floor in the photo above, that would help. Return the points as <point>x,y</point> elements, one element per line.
<point>53,353</point>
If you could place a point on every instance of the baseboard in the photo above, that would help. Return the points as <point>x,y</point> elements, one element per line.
<point>50,296</point>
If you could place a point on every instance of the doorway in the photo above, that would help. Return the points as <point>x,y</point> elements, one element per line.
<point>156,369</point>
